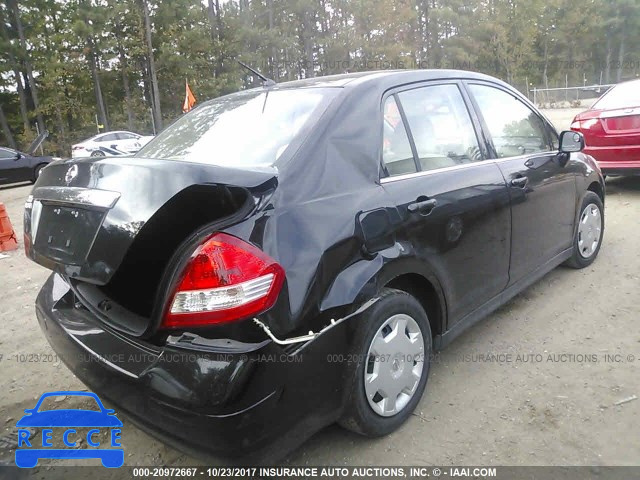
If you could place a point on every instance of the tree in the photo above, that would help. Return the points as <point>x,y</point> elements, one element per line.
<point>13,6</point>
<point>62,62</point>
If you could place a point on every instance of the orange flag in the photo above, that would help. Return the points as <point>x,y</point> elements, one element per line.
<point>189,99</point>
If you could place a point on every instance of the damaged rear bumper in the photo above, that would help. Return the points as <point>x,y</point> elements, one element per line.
<point>246,401</point>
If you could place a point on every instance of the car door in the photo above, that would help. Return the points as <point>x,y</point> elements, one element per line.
<point>6,165</point>
<point>109,144</point>
<point>541,186</point>
<point>13,169</point>
<point>128,142</point>
<point>453,206</point>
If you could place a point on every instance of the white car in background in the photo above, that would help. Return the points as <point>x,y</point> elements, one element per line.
<point>109,144</point>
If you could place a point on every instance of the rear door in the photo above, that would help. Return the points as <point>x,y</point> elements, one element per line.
<point>541,186</point>
<point>453,205</point>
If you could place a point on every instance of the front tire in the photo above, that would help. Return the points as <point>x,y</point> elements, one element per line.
<point>36,172</point>
<point>391,353</point>
<point>589,232</point>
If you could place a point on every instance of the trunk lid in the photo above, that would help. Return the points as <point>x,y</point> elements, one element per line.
<point>88,218</point>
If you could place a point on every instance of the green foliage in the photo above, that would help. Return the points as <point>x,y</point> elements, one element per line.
<point>87,53</point>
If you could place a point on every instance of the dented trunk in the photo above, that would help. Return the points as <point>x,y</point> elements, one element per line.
<point>111,225</point>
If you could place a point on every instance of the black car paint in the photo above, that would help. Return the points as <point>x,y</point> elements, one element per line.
<point>21,167</point>
<point>341,232</point>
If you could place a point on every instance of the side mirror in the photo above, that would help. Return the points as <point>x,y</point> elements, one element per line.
<point>571,142</point>
<point>18,156</point>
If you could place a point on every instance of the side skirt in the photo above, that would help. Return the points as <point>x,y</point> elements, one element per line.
<point>496,302</point>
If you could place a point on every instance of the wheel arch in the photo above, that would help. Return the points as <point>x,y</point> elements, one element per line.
<point>365,279</point>
<point>596,188</point>
<point>35,169</point>
<point>426,293</point>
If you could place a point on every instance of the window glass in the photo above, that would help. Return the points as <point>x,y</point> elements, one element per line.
<point>250,128</point>
<point>624,95</point>
<point>515,128</point>
<point>109,137</point>
<point>440,125</point>
<point>7,153</point>
<point>126,136</point>
<point>396,149</point>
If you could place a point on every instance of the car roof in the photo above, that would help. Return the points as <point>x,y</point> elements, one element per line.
<point>382,76</point>
<point>110,132</point>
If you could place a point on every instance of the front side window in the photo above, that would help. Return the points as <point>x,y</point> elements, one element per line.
<point>7,153</point>
<point>515,128</point>
<point>440,125</point>
<point>109,137</point>
<point>251,128</point>
<point>396,149</point>
<point>127,136</point>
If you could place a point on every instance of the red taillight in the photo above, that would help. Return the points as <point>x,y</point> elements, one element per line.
<point>575,125</point>
<point>77,147</point>
<point>226,279</point>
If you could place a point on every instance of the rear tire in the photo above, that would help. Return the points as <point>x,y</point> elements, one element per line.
<point>98,153</point>
<point>589,232</point>
<point>389,365</point>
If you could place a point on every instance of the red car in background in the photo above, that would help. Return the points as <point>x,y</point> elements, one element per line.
<point>611,129</point>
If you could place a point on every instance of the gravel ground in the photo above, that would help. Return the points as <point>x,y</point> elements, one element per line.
<point>551,399</point>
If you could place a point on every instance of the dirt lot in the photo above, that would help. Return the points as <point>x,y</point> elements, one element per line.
<point>550,400</point>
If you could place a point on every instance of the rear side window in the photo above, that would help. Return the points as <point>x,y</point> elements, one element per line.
<point>251,128</point>
<point>440,125</point>
<point>396,149</point>
<point>514,127</point>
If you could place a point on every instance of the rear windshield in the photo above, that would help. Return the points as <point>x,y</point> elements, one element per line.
<point>251,128</point>
<point>621,96</point>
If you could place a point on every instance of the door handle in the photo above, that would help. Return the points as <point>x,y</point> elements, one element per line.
<point>520,182</point>
<point>423,207</point>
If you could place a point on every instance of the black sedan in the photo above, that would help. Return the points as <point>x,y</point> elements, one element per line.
<point>290,256</point>
<point>16,166</point>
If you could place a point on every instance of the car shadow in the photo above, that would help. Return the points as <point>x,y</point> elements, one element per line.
<point>13,185</point>
<point>623,185</point>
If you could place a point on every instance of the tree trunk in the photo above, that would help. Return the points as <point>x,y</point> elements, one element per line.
<point>211,14</point>
<point>607,66</point>
<point>215,30</point>
<point>155,94</point>
<point>545,76</point>
<point>6,130</point>
<point>97,87</point>
<point>125,86</point>
<point>16,73</point>
<point>621,55</point>
<point>309,23</point>
<point>23,44</point>
<point>23,101</point>
<point>273,60</point>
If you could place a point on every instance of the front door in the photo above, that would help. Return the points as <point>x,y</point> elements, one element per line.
<point>9,166</point>
<point>453,205</point>
<point>542,188</point>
